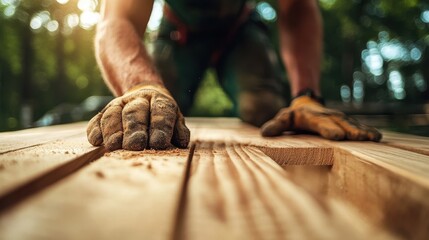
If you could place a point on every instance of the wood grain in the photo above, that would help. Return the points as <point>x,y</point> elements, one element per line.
<point>398,203</point>
<point>44,180</point>
<point>233,190</point>
<point>237,192</point>
<point>403,163</point>
<point>396,167</point>
<point>10,141</point>
<point>285,150</point>
<point>387,184</point>
<point>413,143</point>
<point>124,195</point>
<point>313,178</point>
<point>20,166</point>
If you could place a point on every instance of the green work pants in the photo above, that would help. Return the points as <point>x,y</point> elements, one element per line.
<point>247,66</point>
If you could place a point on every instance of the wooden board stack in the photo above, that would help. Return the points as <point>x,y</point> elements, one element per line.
<point>230,184</point>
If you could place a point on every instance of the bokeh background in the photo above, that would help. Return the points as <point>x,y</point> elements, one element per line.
<point>375,66</point>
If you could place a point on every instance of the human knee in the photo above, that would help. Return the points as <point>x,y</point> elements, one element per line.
<point>257,108</point>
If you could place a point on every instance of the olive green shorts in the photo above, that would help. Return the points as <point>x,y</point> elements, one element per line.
<point>248,67</point>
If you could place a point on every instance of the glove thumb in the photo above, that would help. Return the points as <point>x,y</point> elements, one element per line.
<point>280,123</point>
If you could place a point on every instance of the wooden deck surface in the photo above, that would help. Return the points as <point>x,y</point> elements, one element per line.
<point>230,184</point>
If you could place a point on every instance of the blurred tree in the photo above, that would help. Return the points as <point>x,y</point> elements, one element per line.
<point>48,58</point>
<point>378,46</point>
<point>375,51</point>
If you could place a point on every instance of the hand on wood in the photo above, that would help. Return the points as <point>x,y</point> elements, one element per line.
<point>144,117</point>
<point>307,114</point>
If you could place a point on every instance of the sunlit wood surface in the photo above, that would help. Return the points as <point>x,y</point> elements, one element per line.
<point>231,183</point>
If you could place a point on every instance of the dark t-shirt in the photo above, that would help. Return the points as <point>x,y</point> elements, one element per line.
<point>206,13</point>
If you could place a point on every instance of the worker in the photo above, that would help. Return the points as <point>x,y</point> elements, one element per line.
<point>153,90</point>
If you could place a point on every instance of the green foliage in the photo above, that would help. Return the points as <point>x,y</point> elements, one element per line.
<point>355,28</point>
<point>45,61</point>
<point>210,99</point>
<point>42,67</point>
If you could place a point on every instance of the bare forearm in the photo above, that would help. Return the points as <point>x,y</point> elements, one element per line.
<point>301,45</point>
<point>122,57</point>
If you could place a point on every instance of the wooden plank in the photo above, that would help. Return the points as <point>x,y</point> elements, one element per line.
<point>285,150</point>
<point>403,163</point>
<point>413,143</point>
<point>382,194</point>
<point>10,141</point>
<point>235,190</point>
<point>238,192</point>
<point>43,181</point>
<point>20,166</point>
<point>123,195</point>
<point>388,184</point>
<point>314,179</point>
<point>402,173</point>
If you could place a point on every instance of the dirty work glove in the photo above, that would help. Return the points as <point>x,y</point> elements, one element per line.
<point>144,117</point>
<point>307,114</point>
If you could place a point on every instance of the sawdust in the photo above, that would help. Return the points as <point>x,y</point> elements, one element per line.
<point>136,164</point>
<point>100,174</point>
<point>125,155</point>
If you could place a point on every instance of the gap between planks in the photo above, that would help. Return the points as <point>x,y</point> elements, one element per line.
<point>167,214</point>
<point>326,155</point>
<point>43,179</point>
<point>237,192</point>
<point>123,194</point>
<point>41,182</point>
<point>27,158</point>
<point>181,206</point>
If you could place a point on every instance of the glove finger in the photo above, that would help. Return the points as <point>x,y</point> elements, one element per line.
<point>111,127</point>
<point>318,122</point>
<point>283,121</point>
<point>356,130</point>
<point>135,121</point>
<point>327,128</point>
<point>352,128</point>
<point>93,130</point>
<point>373,134</point>
<point>162,119</point>
<point>181,133</point>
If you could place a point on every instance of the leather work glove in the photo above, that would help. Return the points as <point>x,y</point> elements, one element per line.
<point>307,114</point>
<point>144,117</point>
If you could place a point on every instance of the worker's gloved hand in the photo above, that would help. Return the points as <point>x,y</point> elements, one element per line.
<point>307,114</point>
<point>144,117</point>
